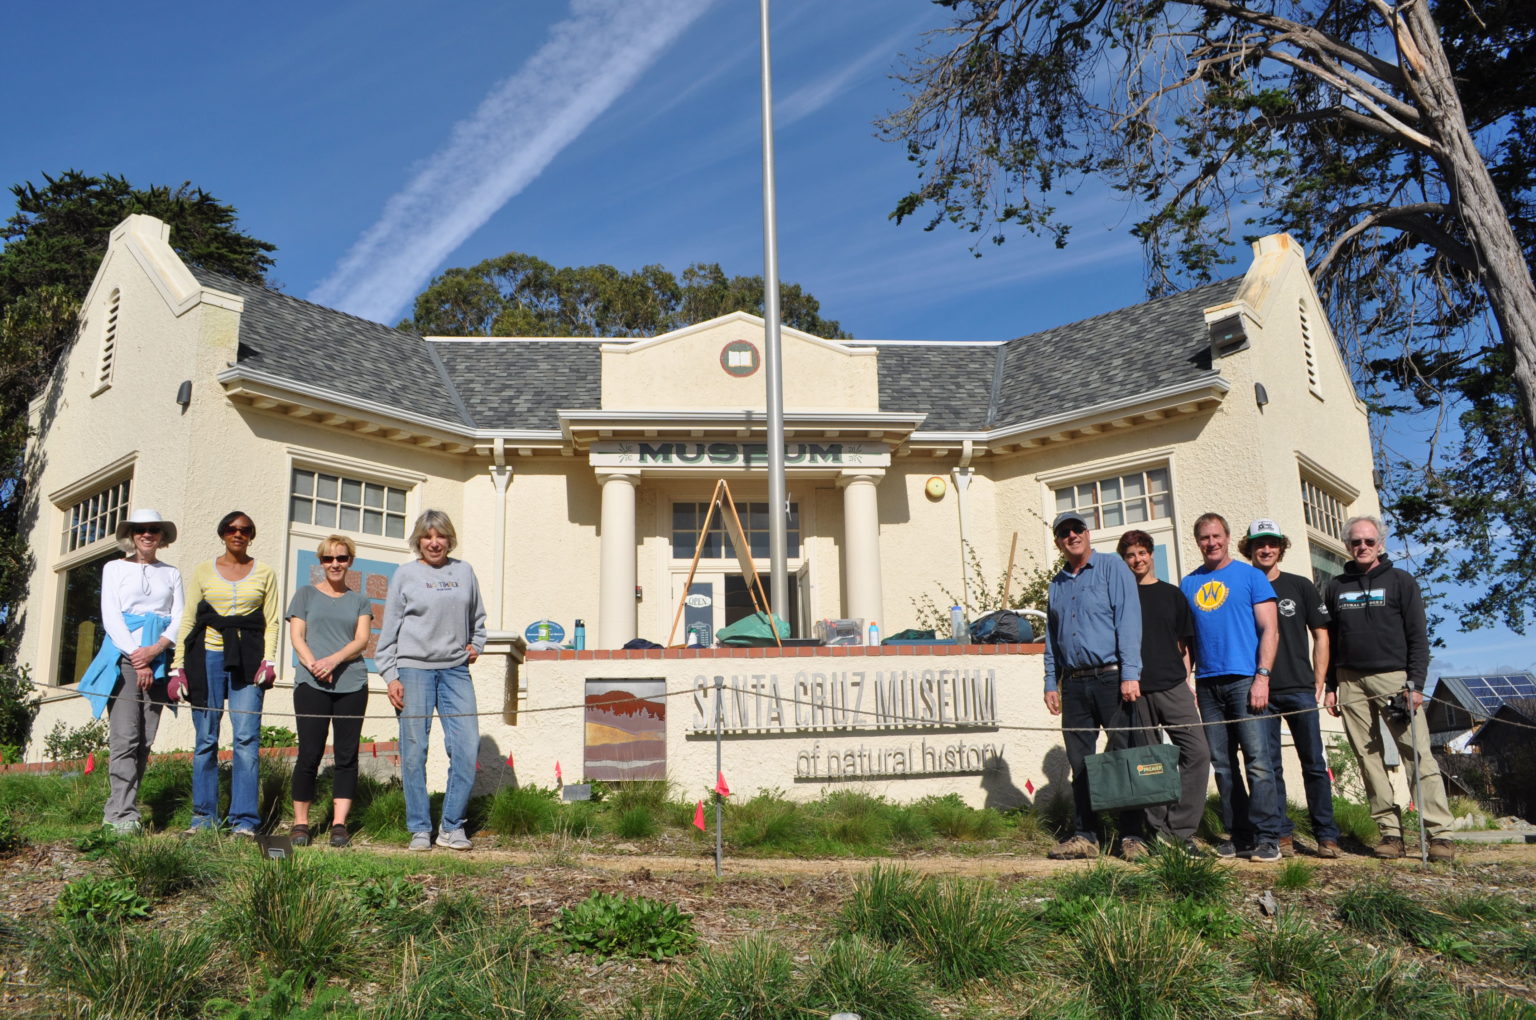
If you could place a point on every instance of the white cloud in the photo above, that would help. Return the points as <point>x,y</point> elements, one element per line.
<point>589,60</point>
<point>809,98</point>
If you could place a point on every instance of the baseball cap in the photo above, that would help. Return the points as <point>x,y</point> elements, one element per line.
<point>1265,528</point>
<point>1064,517</point>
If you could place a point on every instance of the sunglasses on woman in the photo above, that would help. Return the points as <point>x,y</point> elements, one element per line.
<point>146,529</point>
<point>343,558</point>
<point>240,529</point>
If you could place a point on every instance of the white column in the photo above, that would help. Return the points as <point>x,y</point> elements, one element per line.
<point>861,545</point>
<point>616,580</point>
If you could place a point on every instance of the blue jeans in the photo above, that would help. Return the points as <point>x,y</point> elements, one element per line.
<point>1249,812</point>
<point>1313,755</point>
<point>245,702</point>
<point>452,694</point>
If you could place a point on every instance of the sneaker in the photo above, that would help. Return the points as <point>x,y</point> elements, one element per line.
<point>1287,847</point>
<point>244,832</point>
<point>1267,852</point>
<point>453,839</point>
<point>299,835</point>
<point>420,841</point>
<point>1328,848</point>
<point>1226,849</point>
<point>127,828</point>
<point>1132,849</point>
<point>1441,849</point>
<point>1390,848</point>
<point>1075,849</point>
<point>340,837</point>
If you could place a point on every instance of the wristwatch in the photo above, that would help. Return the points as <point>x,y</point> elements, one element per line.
<point>1261,671</point>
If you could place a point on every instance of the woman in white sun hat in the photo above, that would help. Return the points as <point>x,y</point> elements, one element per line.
<point>141,609</point>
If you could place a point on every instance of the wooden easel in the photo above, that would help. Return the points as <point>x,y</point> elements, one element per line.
<point>722,498</point>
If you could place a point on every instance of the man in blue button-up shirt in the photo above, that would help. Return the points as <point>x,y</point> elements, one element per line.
<point>1092,672</point>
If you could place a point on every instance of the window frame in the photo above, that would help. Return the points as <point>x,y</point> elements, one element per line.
<point>364,472</point>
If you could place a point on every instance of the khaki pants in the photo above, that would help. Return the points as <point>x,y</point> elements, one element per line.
<point>1361,698</point>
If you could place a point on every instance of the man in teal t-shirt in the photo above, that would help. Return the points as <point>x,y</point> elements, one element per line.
<point>1236,636</point>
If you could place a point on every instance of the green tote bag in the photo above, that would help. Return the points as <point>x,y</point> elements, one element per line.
<point>1134,777</point>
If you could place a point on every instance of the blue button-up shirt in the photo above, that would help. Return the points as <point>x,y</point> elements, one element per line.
<point>1094,620</point>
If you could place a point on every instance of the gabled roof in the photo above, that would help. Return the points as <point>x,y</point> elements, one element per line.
<point>1483,695</point>
<point>520,383</point>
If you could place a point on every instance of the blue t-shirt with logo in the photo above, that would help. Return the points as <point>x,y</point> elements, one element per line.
<point>1222,601</point>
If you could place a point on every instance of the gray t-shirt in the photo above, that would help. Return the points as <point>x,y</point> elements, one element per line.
<point>330,624</point>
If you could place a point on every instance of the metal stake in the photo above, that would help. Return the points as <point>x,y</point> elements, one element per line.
<point>719,766</point>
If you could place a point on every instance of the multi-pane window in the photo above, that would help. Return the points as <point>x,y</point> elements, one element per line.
<point>1325,564</point>
<point>95,517</point>
<point>1323,511</point>
<point>688,519</point>
<point>347,504</point>
<point>1136,498</point>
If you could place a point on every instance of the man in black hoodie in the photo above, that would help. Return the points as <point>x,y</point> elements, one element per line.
<point>1379,657</point>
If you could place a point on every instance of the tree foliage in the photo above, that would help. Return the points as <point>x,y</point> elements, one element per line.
<point>521,295</point>
<point>54,243</point>
<point>1394,138</point>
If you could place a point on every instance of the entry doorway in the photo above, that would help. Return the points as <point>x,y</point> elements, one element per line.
<point>718,599</point>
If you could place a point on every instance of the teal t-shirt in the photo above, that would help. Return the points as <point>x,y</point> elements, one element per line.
<point>330,624</point>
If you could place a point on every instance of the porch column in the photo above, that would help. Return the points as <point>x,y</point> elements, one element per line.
<point>616,580</point>
<point>861,545</point>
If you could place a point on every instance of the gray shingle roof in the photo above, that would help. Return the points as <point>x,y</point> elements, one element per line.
<point>318,346</point>
<point>521,384</point>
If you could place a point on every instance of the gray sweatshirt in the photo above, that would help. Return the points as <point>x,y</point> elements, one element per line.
<point>431,615</point>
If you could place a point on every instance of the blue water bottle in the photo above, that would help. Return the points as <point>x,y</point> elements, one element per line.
<point>580,639</point>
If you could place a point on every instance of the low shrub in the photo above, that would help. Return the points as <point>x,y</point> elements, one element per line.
<point>277,736</point>
<point>100,901</point>
<point>74,743</point>
<point>608,925</point>
<point>389,893</point>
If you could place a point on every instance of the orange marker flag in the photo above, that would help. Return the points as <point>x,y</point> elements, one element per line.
<point>698,816</point>
<point>1029,787</point>
<point>510,765</point>
<point>558,780</point>
<point>90,762</point>
<point>720,787</point>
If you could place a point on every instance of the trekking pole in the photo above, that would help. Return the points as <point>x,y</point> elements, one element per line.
<point>1418,782</point>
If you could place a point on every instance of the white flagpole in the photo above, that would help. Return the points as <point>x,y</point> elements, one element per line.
<point>778,509</point>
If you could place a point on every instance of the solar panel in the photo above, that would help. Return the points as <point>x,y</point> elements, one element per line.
<point>1493,691</point>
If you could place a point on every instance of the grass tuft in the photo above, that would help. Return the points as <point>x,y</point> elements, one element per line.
<point>1295,949</point>
<point>161,866</point>
<point>752,980</point>
<point>1377,908</point>
<point>1204,879</point>
<point>142,974</point>
<point>1135,961</point>
<point>295,918</point>
<point>767,822</point>
<point>853,975</point>
<point>1295,874</point>
<point>499,974</point>
<point>638,822</point>
<point>523,810</point>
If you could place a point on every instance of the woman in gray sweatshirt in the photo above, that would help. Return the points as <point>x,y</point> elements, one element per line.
<point>434,627</point>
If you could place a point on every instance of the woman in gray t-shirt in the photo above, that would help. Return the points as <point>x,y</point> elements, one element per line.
<point>328,624</point>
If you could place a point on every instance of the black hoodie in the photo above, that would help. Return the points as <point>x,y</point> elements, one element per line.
<point>1378,623</point>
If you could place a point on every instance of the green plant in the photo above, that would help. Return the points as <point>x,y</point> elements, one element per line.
<point>11,837</point>
<point>383,816</point>
<point>1378,908</point>
<point>751,980</point>
<point>283,999</point>
<point>1212,920</point>
<point>145,974</point>
<point>295,918</point>
<point>1184,877</point>
<point>1294,949</point>
<point>277,736</point>
<point>1478,906</point>
<point>163,866</point>
<point>1295,874</point>
<point>609,925</point>
<point>650,793</point>
<point>389,893</point>
<point>638,822</point>
<point>167,791</point>
<point>523,810</point>
<point>1348,779</point>
<point>1368,986</point>
<point>1355,822</point>
<point>66,743</point>
<point>766,821</point>
<point>578,819</point>
<point>985,596</point>
<point>1135,961</point>
<point>19,703</point>
<point>854,819</point>
<point>100,901</point>
<point>882,904</point>
<point>97,843</point>
<point>950,816</point>
<point>497,974</point>
<point>853,975</point>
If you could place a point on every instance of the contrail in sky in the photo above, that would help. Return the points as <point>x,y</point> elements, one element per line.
<point>587,63</point>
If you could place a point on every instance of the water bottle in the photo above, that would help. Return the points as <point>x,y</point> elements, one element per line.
<point>874,633</point>
<point>580,639</point>
<point>957,625</point>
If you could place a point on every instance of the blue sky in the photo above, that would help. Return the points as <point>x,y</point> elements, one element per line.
<point>378,142</point>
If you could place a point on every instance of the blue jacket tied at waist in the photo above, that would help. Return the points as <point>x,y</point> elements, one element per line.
<point>101,676</point>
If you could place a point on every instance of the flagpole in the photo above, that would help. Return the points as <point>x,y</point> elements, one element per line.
<point>778,500</point>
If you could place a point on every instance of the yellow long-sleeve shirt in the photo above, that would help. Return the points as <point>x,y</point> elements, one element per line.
<point>256,590</point>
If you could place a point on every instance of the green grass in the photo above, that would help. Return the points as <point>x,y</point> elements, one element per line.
<point>291,917</point>
<point>638,822</point>
<point>1135,961</point>
<point>1379,908</point>
<point>498,973</point>
<point>144,973</point>
<point>161,866</point>
<point>523,810</point>
<point>1184,877</point>
<point>1355,822</point>
<point>1295,874</point>
<point>1293,950</point>
<point>751,980</point>
<point>854,975</point>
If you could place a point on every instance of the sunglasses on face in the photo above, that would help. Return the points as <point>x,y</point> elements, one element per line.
<point>1070,529</point>
<point>146,529</point>
<point>343,558</point>
<point>1369,543</point>
<point>240,529</point>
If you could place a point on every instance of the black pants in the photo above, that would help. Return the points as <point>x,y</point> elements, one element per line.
<point>343,713</point>
<point>1091,703</point>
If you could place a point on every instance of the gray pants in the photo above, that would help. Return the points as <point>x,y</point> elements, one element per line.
<point>135,718</point>
<point>1175,707</point>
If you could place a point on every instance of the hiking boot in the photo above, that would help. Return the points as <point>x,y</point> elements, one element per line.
<point>1190,848</point>
<point>299,835</point>
<point>1441,849</point>
<point>1266,852</point>
<point>1287,847</point>
<point>1390,848</point>
<point>340,837</point>
<point>1075,849</point>
<point>453,839</point>
<point>1226,849</point>
<point>1328,848</point>
<point>420,841</point>
<point>1133,849</point>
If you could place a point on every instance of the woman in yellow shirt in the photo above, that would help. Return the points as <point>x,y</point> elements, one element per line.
<point>227,647</point>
